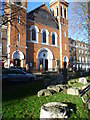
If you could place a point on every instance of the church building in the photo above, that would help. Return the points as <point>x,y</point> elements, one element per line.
<point>39,36</point>
<point>47,36</point>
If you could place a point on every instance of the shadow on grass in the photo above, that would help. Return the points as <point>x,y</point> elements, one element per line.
<point>71,107</point>
<point>13,91</point>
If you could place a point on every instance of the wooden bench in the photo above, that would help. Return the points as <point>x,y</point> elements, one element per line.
<point>86,91</point>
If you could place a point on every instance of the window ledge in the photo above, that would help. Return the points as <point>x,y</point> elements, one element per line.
<point>54,45</point>
<point>45,43</point>
<point>32,41</point>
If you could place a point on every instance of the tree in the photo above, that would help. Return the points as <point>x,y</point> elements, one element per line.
<point>79,20</point>
<point>13,15</point>
<point>10,14</point>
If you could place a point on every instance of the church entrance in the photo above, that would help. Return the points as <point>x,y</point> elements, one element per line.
<point>17,62</point>
<point>45,58</point>
<point>46,65</point>
<point>18,57</point>
<point>65,64</point>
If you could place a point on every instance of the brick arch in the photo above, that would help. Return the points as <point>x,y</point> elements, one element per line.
<point>45,49</point>
<point>45,54</point>
<point>18,54</point>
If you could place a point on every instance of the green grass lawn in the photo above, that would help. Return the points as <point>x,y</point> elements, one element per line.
<point>20,101</point>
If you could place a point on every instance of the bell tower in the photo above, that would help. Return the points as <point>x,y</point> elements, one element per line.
<point>59,10</point>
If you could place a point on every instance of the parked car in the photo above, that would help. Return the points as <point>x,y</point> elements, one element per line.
<point>16,75</point>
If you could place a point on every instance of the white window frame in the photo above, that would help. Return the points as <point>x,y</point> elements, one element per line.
<point>62,11</point>
<point>65,34</point>
<point>0,49</point>
<point>53,12</point>
<point>82,52</point>
<point>82,59</point>
<point>66,13</point>
<point>37,31</point>
<point>69,49</point>
<point>74,57</point>
<point>85,52</point>
<point>86,59</point>
<point>19,19</point>
<point>57,11</point>
<point>74,43</point>
<point>69,42</point>
<point>65,47</point>
<point>1,35</point>
<point>18,36</point>
<point>47,35</point>
<point>79,59</point>
<point>56,36</point>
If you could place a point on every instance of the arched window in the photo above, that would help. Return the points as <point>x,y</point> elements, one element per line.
<point>61,11</point>
<point>18,18</point>
<point>65,13</point>
<point>53,12</point>
<point>33,34</point>
<point>44,37</point>
<point>45,34</point>
<point>18,37</point>
<point>53,39</point>
<point>57,10</point>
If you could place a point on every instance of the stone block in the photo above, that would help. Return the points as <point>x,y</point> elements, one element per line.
<point>54,110</point>
<point>82,80</point>
<point>72,91</point>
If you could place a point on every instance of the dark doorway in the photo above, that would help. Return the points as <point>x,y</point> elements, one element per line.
<point>65,64</point>
<point>41,61</point>
<point>46,65</point>
<point>17,62</point>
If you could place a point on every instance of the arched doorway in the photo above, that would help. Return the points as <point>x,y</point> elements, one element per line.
<point>45,58</point>
<point>65,61</point>
<point>18,57</point>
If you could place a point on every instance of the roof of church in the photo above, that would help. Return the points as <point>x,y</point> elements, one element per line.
<point>42,15</point>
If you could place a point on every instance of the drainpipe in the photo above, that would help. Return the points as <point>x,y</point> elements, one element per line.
<point>8,39</point>
<point>60,34</point>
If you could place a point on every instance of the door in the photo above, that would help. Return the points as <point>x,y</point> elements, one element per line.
<point>17,62</point>
<point>46,65</point>
<point>65,64</point>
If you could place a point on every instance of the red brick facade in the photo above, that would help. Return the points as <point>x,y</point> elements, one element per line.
<point>50,34</point>
<point>16,28</point>
<point>60,51</point>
